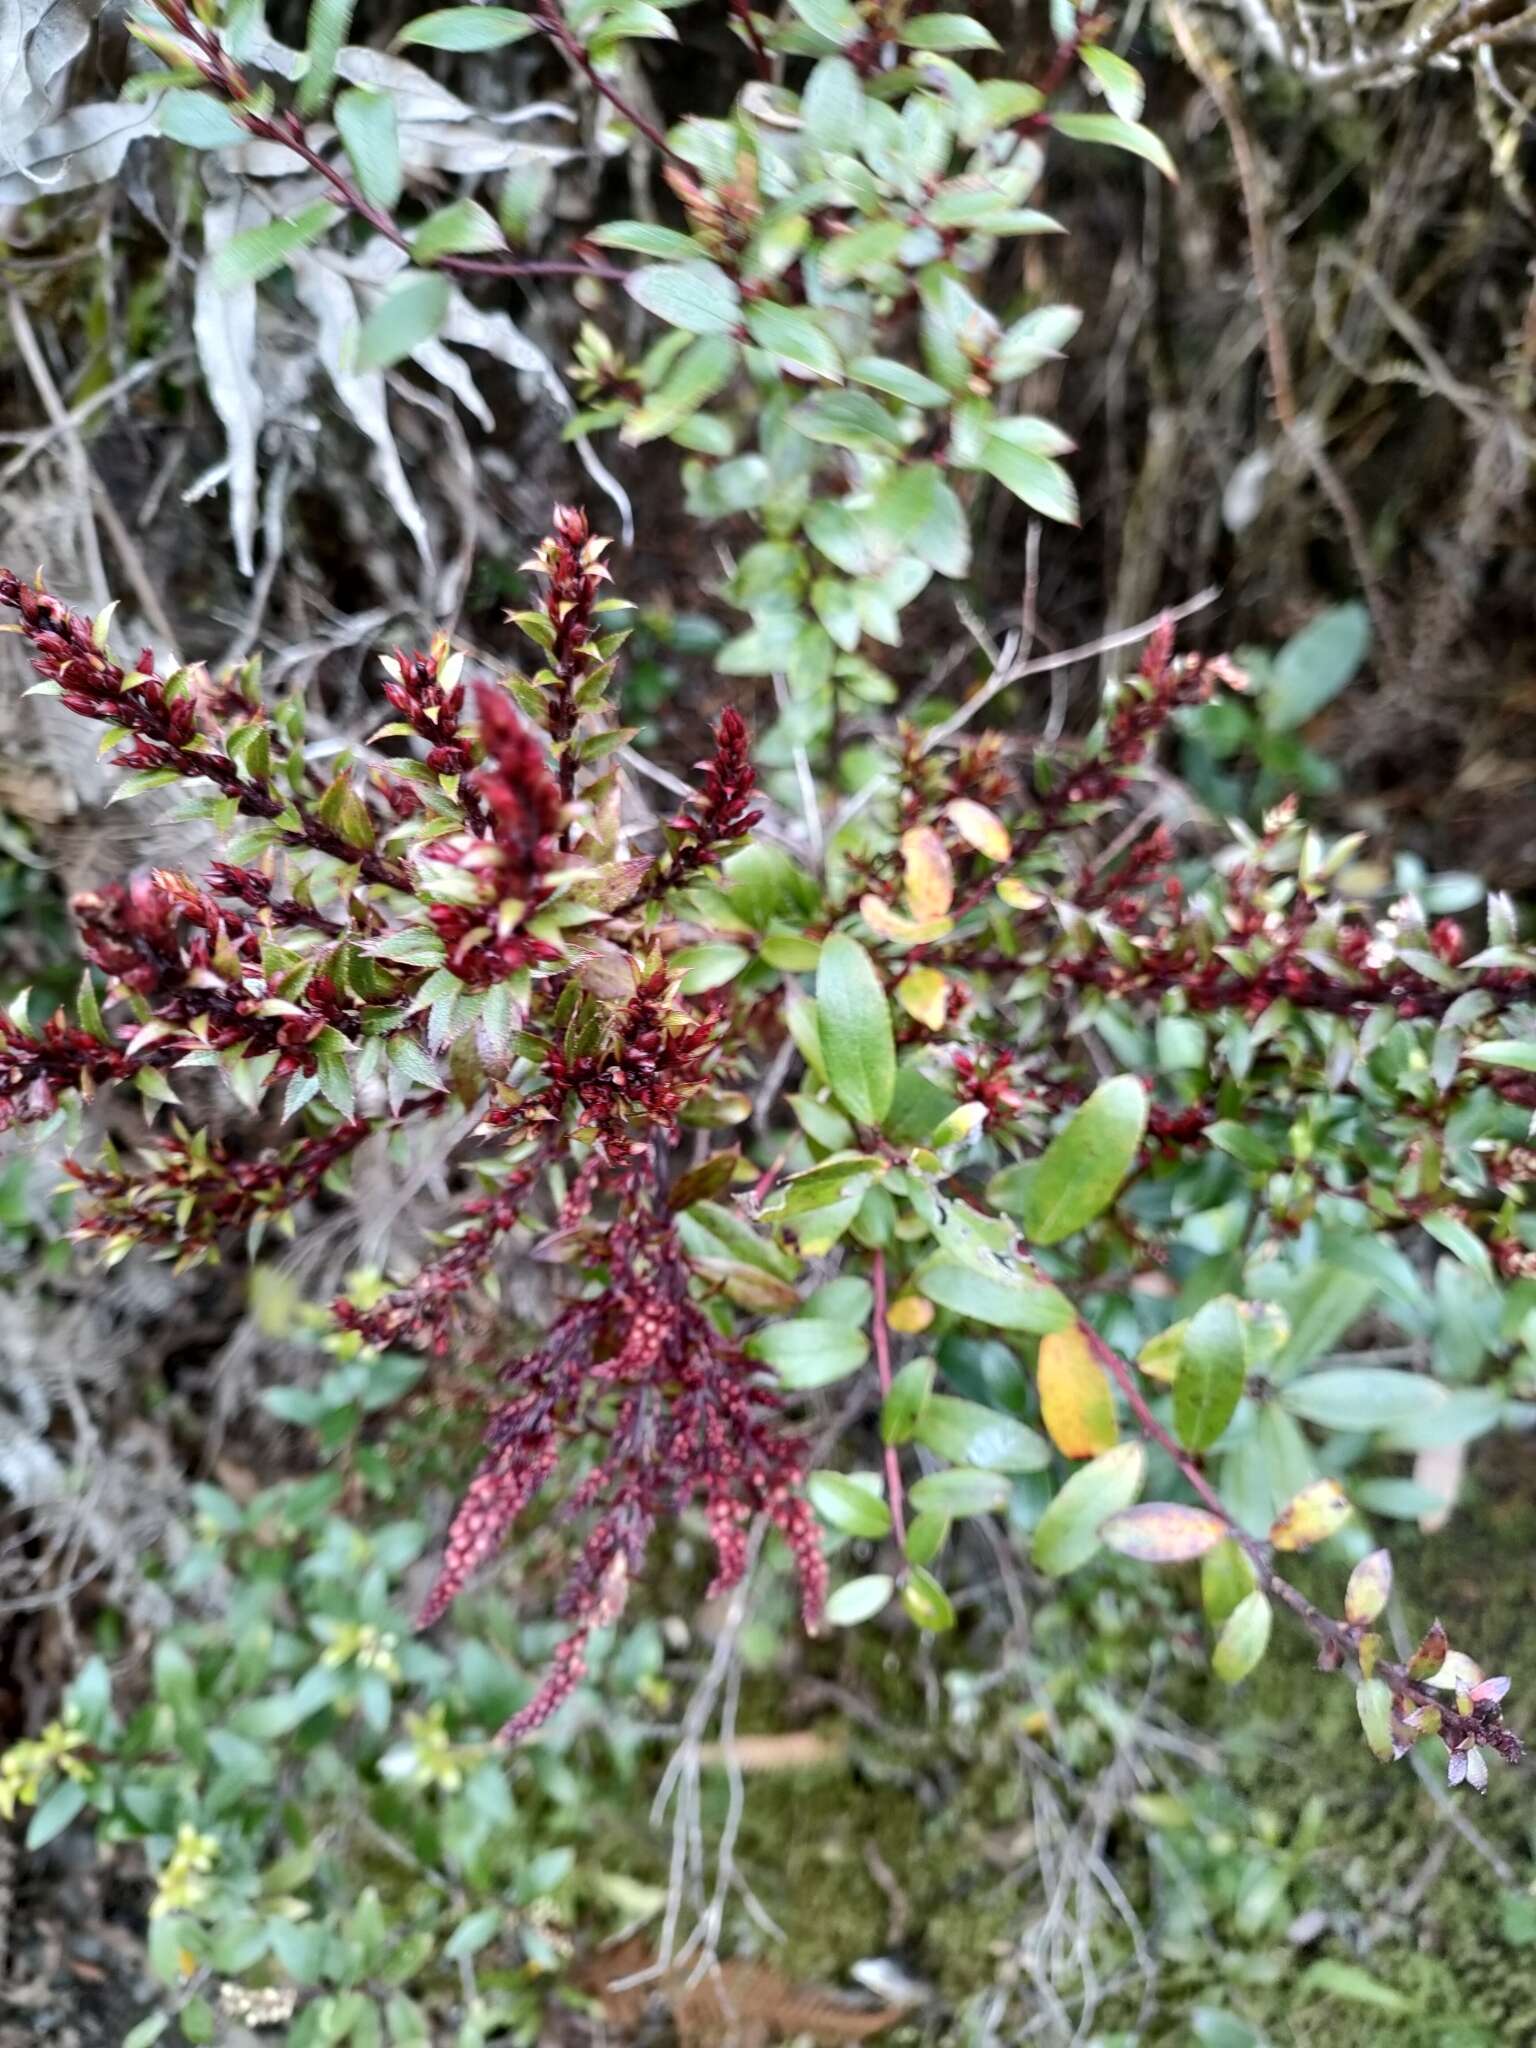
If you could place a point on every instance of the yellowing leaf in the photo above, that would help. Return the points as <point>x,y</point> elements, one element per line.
<point>1076,1403</point>
<point>980,828</point>
<point>1369,1588</point>
<point>890,924</point>
<point>1163,1532</point>
<point>1318,1512</point>
<point>930,877</point>
<point>909,1314</point>
<point>924,994</point>
<point>1018,895</point>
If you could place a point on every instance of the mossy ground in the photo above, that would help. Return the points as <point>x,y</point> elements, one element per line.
<point>1296,1850</point>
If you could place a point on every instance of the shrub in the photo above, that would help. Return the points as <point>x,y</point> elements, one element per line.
<point>464,922</point>
<point>1096,1135</point>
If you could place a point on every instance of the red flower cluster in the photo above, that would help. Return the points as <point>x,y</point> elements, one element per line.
<point>680,1418</point>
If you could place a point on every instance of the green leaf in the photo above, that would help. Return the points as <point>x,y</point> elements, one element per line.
<point>1067,1534</point>
<point>795,338</point>
<point>55,1813</point>
<point>897,380</point>
<point>844,1504</point>
<point>707,967</point>
<point>645,238</point>
<point>1243,1640</point>
<point>1038,482</point>
<point>1034,340</point>
<point>698,297</point>
<point>410,314</point>
<point>916,510</point>
<point>1505,1052</point>
<point>1358,1397</point>
<point>1084,1164</point>
<point>926,1537</point>
<point>468,28</point>
<point>472,1933</point>
<point>257,253</point>
<point>834,20</point>
<point>370,134</point>
<point>862,249</point>
<point>926,1601</point>
<point>903,1406</point>
<point>1119,82</point>
<point>967,1433</point>
<point>960,1492</point>
<point>704,367</point>
<point>945,32</point>
<point>810,1353</point>
<point>1312,668</point>
<point>200,121</point>
<point>1373,1702</point>
<point>329,21</point>
<point>1349,1981</point>
<point>1114,133</point>
<point>1212,1367</point>
<point>462,229</point>
<point>1001,1304</point>
<point>859,1599</point>
<point>857,1040</point>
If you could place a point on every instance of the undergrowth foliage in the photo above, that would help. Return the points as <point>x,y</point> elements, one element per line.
<point>460,918</point>
<point>1069,1134</point>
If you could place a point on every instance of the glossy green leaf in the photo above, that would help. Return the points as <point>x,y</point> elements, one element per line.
<point>1067,1534</point>
<point>946,32</point>
<point>1312,668</point>
<point>926,1601</point>
<point>967,1433</point>
<point>700,298</point>
<point>1243,1640</point>
<point>858,1043</point>
<point>1084,1164</point>
<point>462,229</point>
<point>1002,1304</point>
<point>1113,133</point>
<point>859,1599</point>
<point>1358,1397</point>
<point>903,1406</point>
<point>810,1352</point>
<point>960,1491</point>
<point>795,338</point>
<point>1212,1365</point>
<point>410,314</point>
<point>370,134</point>
<point>468,28</point>
<point>257,253</point>
<point>846,1505</point>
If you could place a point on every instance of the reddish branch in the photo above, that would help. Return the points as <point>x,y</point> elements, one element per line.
<point>163,722</point>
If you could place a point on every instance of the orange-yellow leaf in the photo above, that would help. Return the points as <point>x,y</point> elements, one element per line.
<point>909,1314</point>
<point>1163,1532</point>
<point>924,994</point>
<point>979,827</point>
<point>1318,1512</point>
<point>1076,1403</point>
<point>930,877</point>
<point>890,924</point>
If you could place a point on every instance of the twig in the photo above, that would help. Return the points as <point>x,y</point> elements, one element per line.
<point>882,1332</point>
